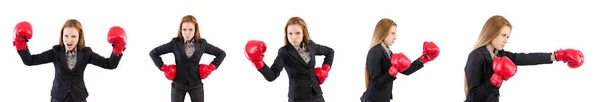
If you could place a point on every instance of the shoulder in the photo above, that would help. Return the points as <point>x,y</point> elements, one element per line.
<point>504,53</point>
<point>477,53</point>
<point>311,42</point>
<point>56,47</point>
<point>175,39</point>
<point>87,49</point>
<point>283,49</point>
<point>374,49</point>
<point>202,41</point>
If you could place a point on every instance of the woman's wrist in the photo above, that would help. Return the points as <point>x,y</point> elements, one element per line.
<point>553,57</point>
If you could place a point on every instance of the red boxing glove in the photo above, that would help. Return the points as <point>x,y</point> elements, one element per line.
<point>118,39</point>
<point>322,73</point>
<point>399,63</point>
<point>255,50</point>
<point>22,33</point>
<point>496,80</point>
<point>573,57</point>
<point>205,70</point>
<point>430,52</point>
<point>504,67</point>
<point>170,71</point>
<point>393,71</point>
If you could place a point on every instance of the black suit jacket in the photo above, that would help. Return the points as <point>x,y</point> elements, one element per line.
<point>187,68</point>
<point>381,82</point>
<point>478,71</point>
<point>67,81</point>
<point>302,79</point>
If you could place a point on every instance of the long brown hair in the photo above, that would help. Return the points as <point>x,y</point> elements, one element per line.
<point>381,31</point>
<point>490,30</point>
<point>299,21</point>
<point>73,23</point>
<point>191,19</point>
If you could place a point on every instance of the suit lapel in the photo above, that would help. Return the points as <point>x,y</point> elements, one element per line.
<point>181,47</point>
<point>80,61</point>
<point>62,57</point>
<point>311,53</point>
<point>198,50</point>
<point>387,55</point>
<point>486,54</point>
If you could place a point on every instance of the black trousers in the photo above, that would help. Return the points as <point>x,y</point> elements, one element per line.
<point>67,99</point>
<point>313,98</point>
<point>363,99</point>
<point>366,100</point>
<point>179,91</point>
<point>494,96</point>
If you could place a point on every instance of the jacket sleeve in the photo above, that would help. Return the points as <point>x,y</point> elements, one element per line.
<point>273,72</point>
<point>106,63</point>
<point>528,58</point>
<point>160,50</point>
<point>378,75</point>
<point>478,86</point>
<point>414,67</point>
<point>217,52</point>
<point>327,51</point>
<point>30,60</point>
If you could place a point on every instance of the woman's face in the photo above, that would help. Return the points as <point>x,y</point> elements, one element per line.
<point>502,38</point>
<point>295,34</point>
<point>391,36</point>
<point>187,30</point>
<point>70,38</point>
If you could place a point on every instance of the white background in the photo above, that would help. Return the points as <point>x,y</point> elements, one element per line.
<point>347,27</point>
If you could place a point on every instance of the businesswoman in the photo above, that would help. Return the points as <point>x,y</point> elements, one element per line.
<point>383,65</point>
<point>488,64</point>
<point>187,74</point>
<point>297,56</point>
<point>70,58</point>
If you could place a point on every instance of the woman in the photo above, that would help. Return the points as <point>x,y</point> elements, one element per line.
<point>489,64</point>
<point>297,56</point>
<point>188,48</point>
<point>70,58</point>
<point>382,66</point>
